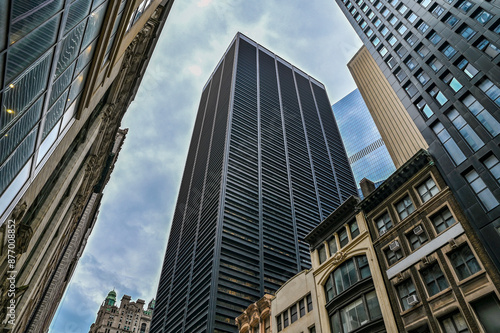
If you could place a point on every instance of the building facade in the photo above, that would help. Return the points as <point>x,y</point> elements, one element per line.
<point>401,137</point>
<point>441,58</point>
<point>367,153</point>
<point>68,72</point>
<point>128,317</point>
<point>265,159</point>
<point>257,317</point>
<point>438,275</point>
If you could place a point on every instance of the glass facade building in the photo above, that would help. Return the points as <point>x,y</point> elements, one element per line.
<point>442,59</point>
<point>367,152</point>
<point>265,165</point>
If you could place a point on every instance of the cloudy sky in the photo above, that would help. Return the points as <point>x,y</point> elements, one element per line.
<point>126,248</point>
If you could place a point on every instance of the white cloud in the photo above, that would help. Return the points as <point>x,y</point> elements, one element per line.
<point>204,3</point>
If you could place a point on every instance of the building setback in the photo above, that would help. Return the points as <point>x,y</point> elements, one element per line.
<point>68,72</point>
<point>265,165</point>
<point>364,145</point>
<point>441,58</point>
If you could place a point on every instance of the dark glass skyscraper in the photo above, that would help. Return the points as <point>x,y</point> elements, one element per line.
<point>265,165</point>
<point>442,59</point>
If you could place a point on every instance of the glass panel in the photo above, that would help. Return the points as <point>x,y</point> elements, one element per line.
<point>373,306</point>
<point>47,143</point>
<point>4,5</point>
<point>28,15</point>
<point>17,160</point>
<point>17,133</point>
<point>61,84</point>
<point>54,114</point>
<point>94,26</point>
<point>22,92</point>
<point>14,187</point>
<point>77,12</point>
<point>70,48</point>
<point>488,311</point>
<point>85,57</point>
<point>78,84</point>
<point>69,114</point>
<point>24,52</point>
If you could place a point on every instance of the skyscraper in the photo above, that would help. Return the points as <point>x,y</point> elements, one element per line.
<point>442,60</point>
<point>365,148</point>
<point>68,72</point>
<point>265,165</point>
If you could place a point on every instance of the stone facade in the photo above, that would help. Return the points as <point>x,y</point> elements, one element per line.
<point>128,317</point>
<point>436,271</point>
<point>257,317</point>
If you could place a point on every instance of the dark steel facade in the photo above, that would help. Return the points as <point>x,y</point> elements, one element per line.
<point>265,165</point>
<point>442,59</point>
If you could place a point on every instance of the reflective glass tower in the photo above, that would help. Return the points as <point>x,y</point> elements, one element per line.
<point>265,165</point>
<point>442,60</point>
<point>367,152</point>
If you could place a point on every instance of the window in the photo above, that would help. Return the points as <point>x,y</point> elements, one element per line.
<point>488,311</point>
<point>278,323</point>
<point>312,329</point>
<point>402,9</point>
<point>484,117</point>
<point>384,30</point>
<point>422,27</point>
<point>285,319</point>
<point>375,41</point>
<point>391,62</point>
<point>383,223</point>
<point>467,68</point>
<point>464,262</point>
<point>383,51</point>
<point>401,51</point>
<point>416,237</point>
<point>483,16</point>
<point>412,17</point>
<point>424,3</point>
<point>411,63</point>
<point>454,323</point>
<point>345,275</point>
<point>448,51</point>
<point>434,279</point>
<point>488,48</point>
<point>442,220</point>
<point>434,38</point>
<point>267,325</point>
<point>411,39</point>
<point>393,255</point>
<point>400,74</point>
<point>450,20</point>
<point>422,106</point>
<point>466,32</point>
<point>385,12</point>
<point>404,207</point>
<point>293,313</point>
<point>393,20</point>
<point>402,29</point>
<point>369,32</point>
<point>450,80</point>
<point>332,244</point>
<point>438,95</point>
<point>423,77</point>
<point>353,226</point>
<point>427,189</point>
<point>422,50</point>
<point>492,163</point>
<point>343,237</point>
<point>302,307</point>
<point>356,314</point>
<point>322,254</point>
<point>411,90</point>
<point>482,192</point>
<point>377,23</point>
<point>309,303</point>
<point>392,40</point>
<point>435,64</point>
<point>465,130</point>
<point>405,289</point>
<point>491,90</point>
<point>378,5</point>
<point>437,10</point>
<point>465,6</point>
<point>363,24</point>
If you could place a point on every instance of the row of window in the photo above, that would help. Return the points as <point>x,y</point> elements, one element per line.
<point>338,240</point>
<point>361,311</point>
<point>346,275</point>
<point>293,313</point>
<point>464,264</point>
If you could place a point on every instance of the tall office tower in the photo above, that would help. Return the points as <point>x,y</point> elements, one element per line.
<point>68,71</point>
<point>401,137</point>
<point>365,147</point>
<point>442,59</point>
<point>265,165</point>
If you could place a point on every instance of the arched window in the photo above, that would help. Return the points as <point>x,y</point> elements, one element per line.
<point>347,274</point>
<point>143,328</point>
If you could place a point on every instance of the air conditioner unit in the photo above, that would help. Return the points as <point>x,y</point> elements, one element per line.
<point>418,230</point>
<point>394,246</point>
<point>412,300</point>
<point>382,232</point>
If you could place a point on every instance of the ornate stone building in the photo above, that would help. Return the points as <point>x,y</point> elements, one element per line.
<point>257,317</point>
<point>437,273</point>
<point>54,208</point>
<point>128,317</point>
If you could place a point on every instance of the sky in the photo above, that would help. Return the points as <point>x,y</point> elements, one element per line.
<point>126,248</point>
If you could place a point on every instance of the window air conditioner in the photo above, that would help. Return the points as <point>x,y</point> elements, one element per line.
<point>412,300</point>
<point>394,246</point>
<point>418,230</point>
